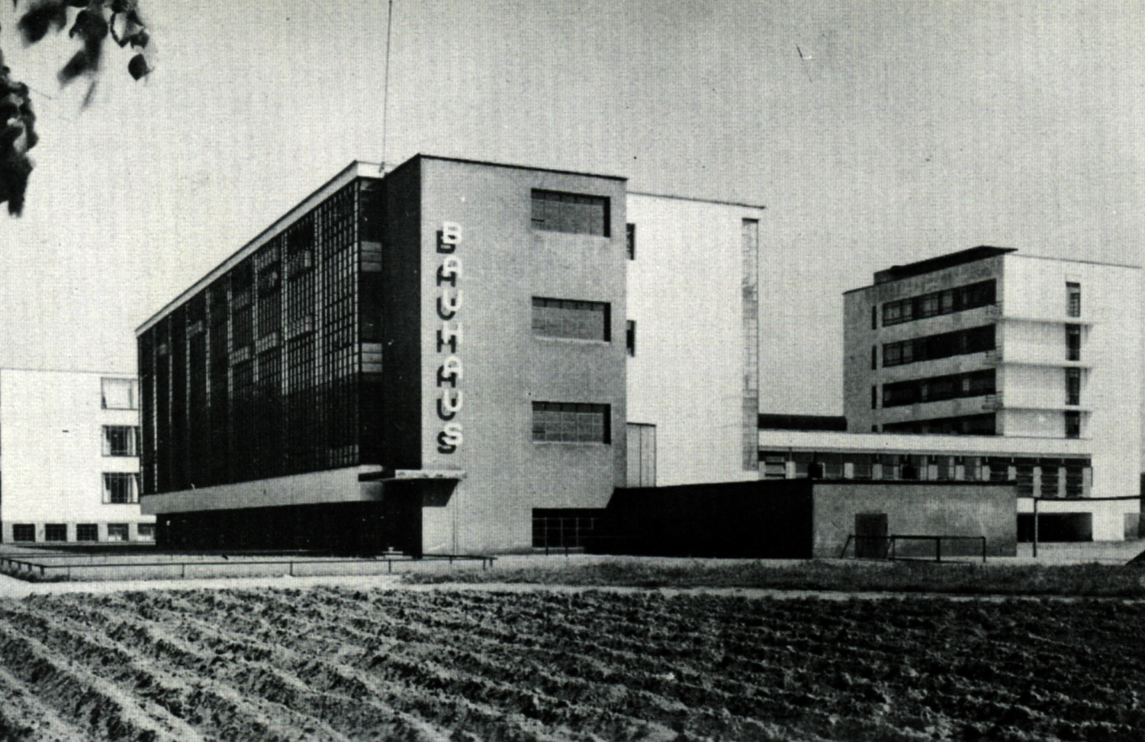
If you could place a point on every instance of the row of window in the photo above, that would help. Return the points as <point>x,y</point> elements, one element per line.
<point>938,388</point>
<point>58,532</point>
<point>943,345</point>
<point>1053,477</point>
<point>962,425</point>
<point>936,303</point>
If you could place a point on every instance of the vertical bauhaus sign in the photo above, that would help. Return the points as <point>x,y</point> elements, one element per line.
<point>450,373</point>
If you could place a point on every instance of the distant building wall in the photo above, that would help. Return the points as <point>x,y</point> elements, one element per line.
<point>990,343</point>
<point>54,453</point>
<point>692,372</point>
<point>801,519</point>
<point>917,509</point>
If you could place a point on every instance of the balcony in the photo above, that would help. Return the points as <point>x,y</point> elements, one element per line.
<point>998,357</point>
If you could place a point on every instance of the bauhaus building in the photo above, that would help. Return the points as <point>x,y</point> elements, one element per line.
<point>452,356</point>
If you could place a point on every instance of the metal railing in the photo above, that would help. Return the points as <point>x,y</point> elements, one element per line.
<point>890,545</point>
<point>20,565</point>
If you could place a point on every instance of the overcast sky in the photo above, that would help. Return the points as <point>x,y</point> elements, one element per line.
<point>875,133</point>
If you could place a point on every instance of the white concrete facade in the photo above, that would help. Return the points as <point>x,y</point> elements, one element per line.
<point>695,365</point>
<point>1052,369</point>
<point>56,447</point>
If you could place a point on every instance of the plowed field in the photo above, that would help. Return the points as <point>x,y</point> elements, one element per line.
<point>334,664</point>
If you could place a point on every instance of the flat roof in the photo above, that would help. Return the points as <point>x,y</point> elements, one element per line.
<point>88,372</point>
<point>700,200</point>
<point>930,265</point>
<point>513,166</point>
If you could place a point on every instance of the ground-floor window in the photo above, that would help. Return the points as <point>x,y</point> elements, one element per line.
<point>87,532</point>
<point>560,528</point>
<point>56,532</point>
<point>146,531</point>
<point>118,532</point>
<point>1044,477</point>
<point>23,532</point>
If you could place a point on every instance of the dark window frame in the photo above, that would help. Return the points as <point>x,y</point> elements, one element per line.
<point>571,422</point>
<point>938,303</point>
<point>56,533</point>
<point>24,532</point>
<point>568,213</point>
<point>1073,299</point>
<point>567,318</point>
<point>131,437</point>
<point>112,484</point>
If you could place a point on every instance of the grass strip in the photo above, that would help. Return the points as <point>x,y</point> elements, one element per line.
<point>1080,580</point>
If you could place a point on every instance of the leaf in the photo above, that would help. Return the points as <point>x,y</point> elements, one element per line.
<point>138,66</point>
<point>76,66</point>
<point>89,24</point>
<point>44,14</point>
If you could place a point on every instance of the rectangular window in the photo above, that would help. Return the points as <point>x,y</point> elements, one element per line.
<point>120,440</point>
<point>929,306</point>
<point>120,488</point>
<point>1073,386</point>
<point>118,532</point>
<point>1051,477</point>
<point>874,318</point>
<point>566,422</point>
<point>1072,424</point>
<point>1024,475</point>
<point>564,528</point>
<point>773,464</point>
<point>119,394</point>
<point>630,240</point>
<point>874,397</point>
<point>24,532</point>
<point>87,532</point>
<point>630,337</point>
<point>146,531</point>
<point>874,357</point>
<point>570,318</point>
<point>1074,478</point>
<point>1073,342</point>
<point>1073,300</point>
<point>573,213</point>
<point>55,532</point>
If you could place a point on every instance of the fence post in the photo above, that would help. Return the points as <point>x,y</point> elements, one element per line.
<point>983,549</point>
<point>938,547</point>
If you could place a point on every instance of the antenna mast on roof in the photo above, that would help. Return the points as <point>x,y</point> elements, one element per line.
<point>386,85</point>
